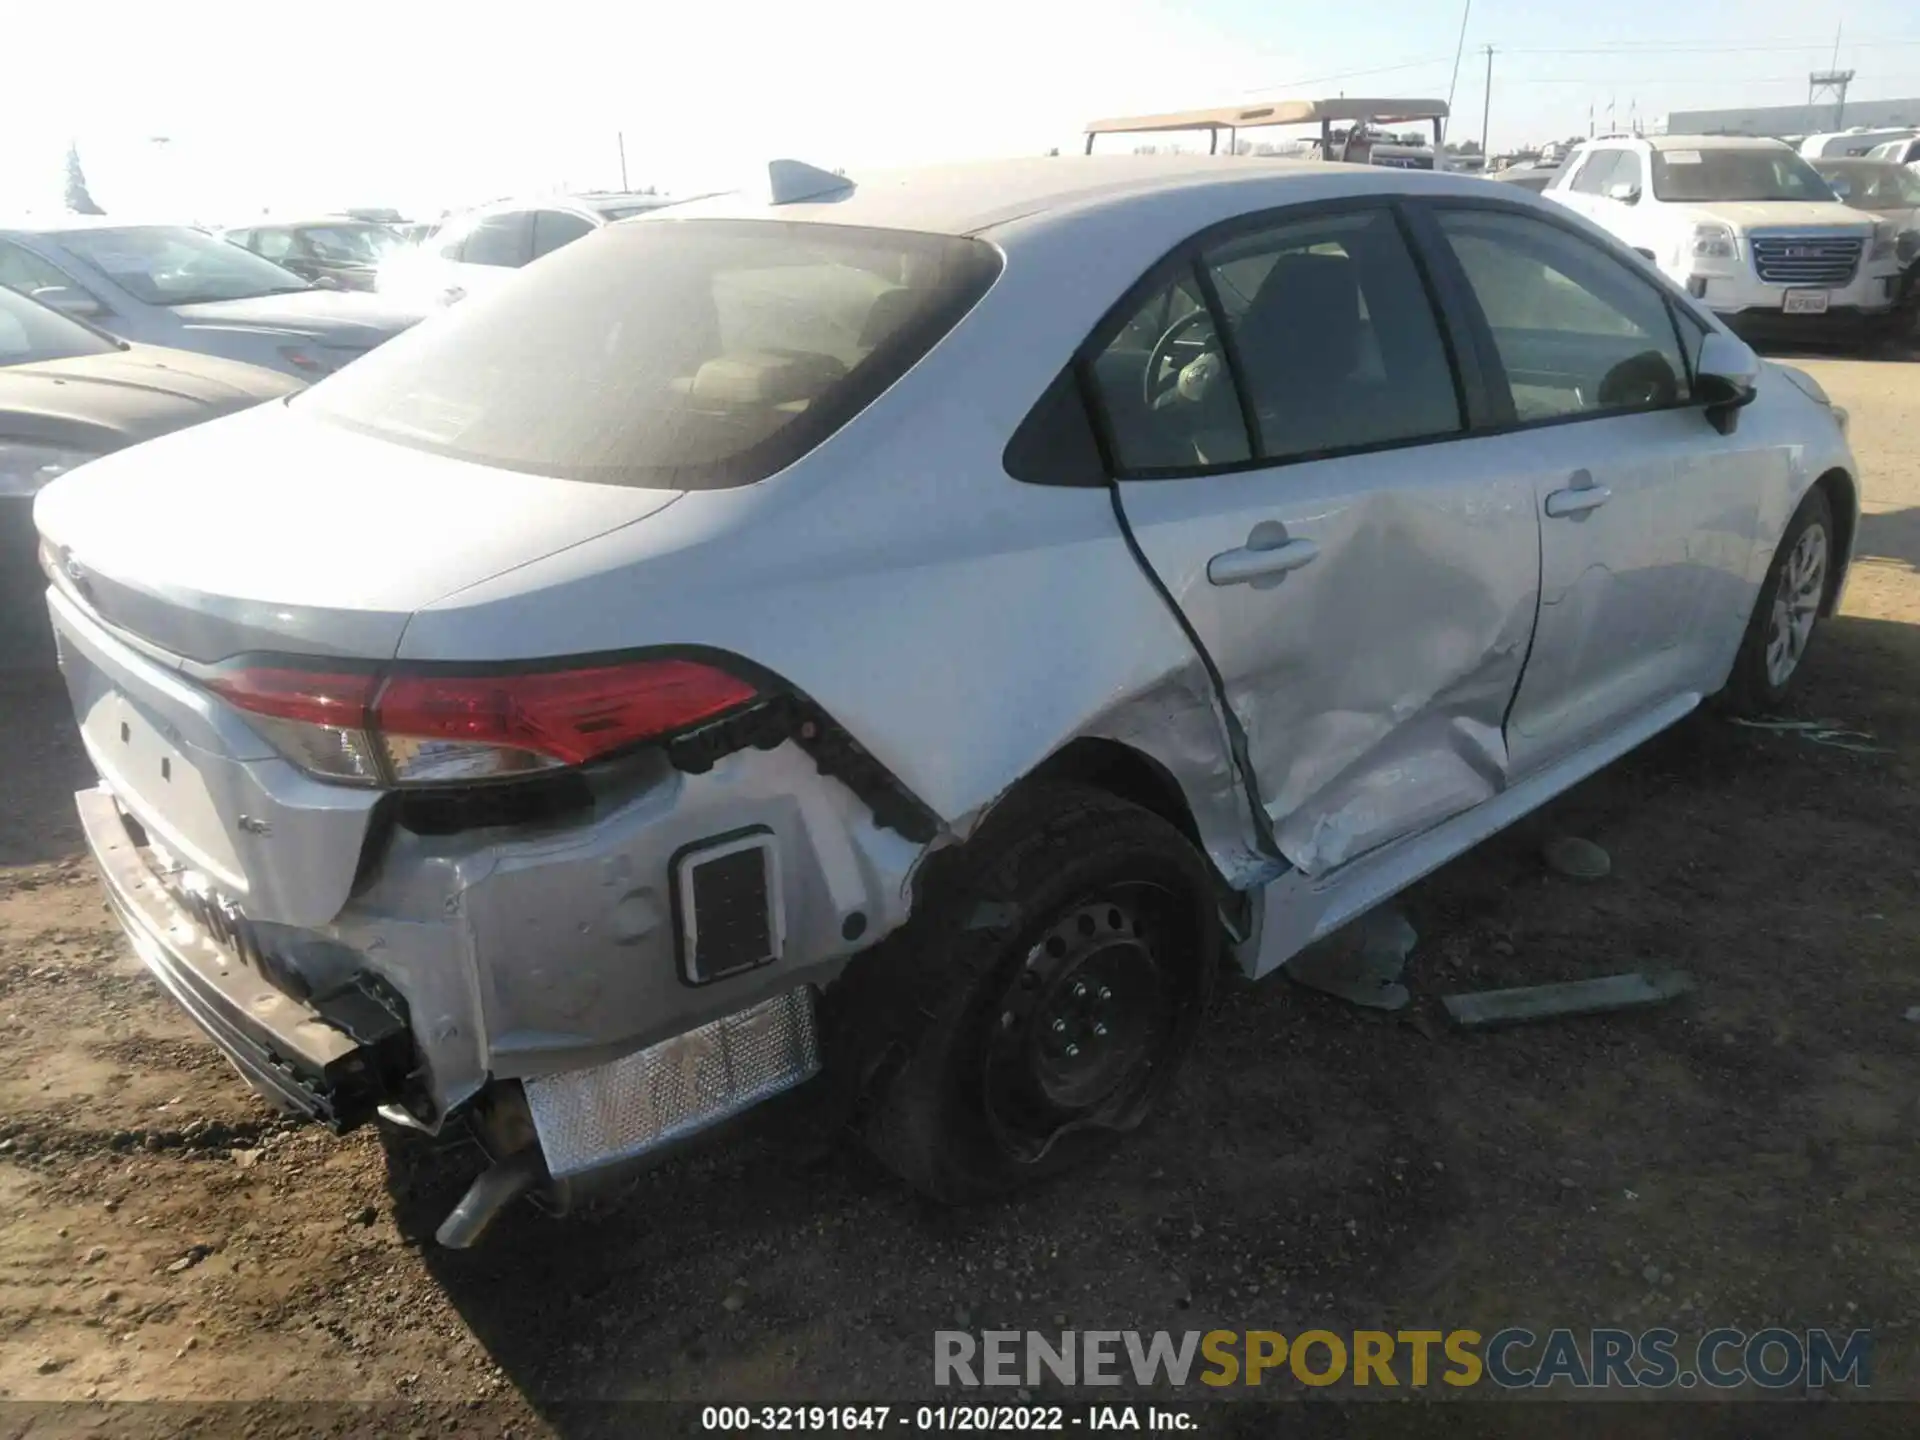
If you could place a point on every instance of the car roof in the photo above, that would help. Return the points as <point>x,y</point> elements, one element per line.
<point>975,197</point>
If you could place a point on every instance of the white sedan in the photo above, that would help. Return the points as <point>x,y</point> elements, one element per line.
<point>916,624</point>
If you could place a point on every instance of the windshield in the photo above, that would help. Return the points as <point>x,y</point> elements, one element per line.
<point>355,244</point>
<point>676,354</point>
<point>1878,187</point>
<point>174,265</point>
<point>1688,176</point>
<point>31,332</point>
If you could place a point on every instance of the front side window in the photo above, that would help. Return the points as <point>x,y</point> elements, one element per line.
<point>1596,172</point>
<point>1335,339</point>
<point>31,333</point>
<point>274,245</point>
<point>1577,332</point>
<point>22,270</point>
<point>1630,170</point>
<point>677,355</point>
<point>1693,177</point>
<point>174,265</point>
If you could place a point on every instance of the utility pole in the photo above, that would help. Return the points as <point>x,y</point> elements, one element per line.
<point>1486,104</point>
<point>620,136</point>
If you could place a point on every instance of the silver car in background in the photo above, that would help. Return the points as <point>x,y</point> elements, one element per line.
<point>181,287</point>
<point>472,253</point>
<point>919,627</point>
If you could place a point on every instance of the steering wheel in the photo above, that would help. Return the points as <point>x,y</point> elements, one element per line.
<point>1154,384</point>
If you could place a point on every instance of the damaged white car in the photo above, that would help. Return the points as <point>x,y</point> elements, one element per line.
<point>917,625</point>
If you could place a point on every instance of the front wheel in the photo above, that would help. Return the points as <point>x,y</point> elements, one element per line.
<point>1042,997</point>
<point>1787,612</point>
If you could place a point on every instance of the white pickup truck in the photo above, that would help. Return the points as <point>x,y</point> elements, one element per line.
<point>1746,225</point>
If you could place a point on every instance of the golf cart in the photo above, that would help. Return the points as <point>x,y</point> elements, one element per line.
<point>1359,142</point>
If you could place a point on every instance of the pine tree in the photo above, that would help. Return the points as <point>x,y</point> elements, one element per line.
<point>78,200</point>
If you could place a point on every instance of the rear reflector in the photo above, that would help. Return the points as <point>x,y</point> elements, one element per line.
<point>427,727</point>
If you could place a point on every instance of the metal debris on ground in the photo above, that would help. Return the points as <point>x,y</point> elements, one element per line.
<point>1363,963</point>
<point>1829,733</point>
<point>1483,1009</point>
<point>1577,859</point>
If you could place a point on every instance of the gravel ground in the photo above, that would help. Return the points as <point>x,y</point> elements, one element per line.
<point>1741,1157</point>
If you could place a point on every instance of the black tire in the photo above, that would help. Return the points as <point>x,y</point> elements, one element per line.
<point>1754,688</point>
<point>1068,905</point>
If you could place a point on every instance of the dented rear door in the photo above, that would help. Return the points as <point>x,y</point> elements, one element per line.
<point>1362,572</point>
<point>1372,681</point>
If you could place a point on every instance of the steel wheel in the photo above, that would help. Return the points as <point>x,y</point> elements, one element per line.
<point>1084,1023</point>
<point>1796,604</point>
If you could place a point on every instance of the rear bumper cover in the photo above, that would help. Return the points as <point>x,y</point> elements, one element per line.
<point>334,1059</point>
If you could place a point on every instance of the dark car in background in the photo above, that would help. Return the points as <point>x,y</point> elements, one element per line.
<point>68,394</point>
<point>337,250</point>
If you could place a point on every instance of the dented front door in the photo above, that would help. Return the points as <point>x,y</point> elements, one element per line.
<point>1369,616</point>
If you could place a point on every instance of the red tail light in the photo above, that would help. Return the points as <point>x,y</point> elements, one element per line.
<point>425,727</point>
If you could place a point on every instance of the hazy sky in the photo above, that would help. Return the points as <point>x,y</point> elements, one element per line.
<point>422,104</point>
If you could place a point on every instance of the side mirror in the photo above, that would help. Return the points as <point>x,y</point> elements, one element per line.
<point>69,300</point>
<point>325,282</point>
<point>1728,379</point>
<point>1626,192</point>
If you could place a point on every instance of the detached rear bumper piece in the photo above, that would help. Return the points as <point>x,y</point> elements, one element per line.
<point>333,1058</point>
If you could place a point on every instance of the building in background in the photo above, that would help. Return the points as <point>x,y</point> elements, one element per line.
<point>1784,120</point>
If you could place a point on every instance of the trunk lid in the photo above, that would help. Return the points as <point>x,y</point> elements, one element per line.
<point>270,531</point>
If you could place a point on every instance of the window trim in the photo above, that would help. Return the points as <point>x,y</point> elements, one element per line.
<point>1185,262</point>
<point>1430,207</point>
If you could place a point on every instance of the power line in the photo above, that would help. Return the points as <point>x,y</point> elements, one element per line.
<point>1664,49</point>
<point>1345,75</point>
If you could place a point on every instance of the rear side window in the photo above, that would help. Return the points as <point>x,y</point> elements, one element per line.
<point>505,240</point>
<point>678,355</point>
<point>554,228</point>
<point>1335,340</point>
<point>1164,388</point>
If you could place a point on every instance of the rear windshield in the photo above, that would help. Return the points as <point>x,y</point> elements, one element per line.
<point>1690,176</point>
<point>673,354</point>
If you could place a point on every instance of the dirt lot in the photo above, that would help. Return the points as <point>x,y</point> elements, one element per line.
<point>1745,1156</point>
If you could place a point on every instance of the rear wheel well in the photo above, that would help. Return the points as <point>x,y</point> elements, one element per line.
<point>1843,499</point>
<point>1124,771</point>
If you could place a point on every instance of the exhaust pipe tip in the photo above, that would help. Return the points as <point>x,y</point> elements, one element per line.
<point>491,1192</point>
